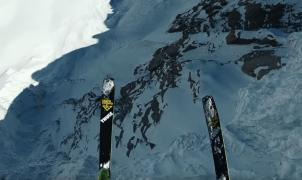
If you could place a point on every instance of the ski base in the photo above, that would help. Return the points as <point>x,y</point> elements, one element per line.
<point>106,118</point>
<point>216,138</point>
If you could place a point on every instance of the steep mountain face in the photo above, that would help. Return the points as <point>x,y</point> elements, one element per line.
<point>165,56</point>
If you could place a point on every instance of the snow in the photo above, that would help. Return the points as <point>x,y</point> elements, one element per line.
<point>35,33</point>
<point>269,111</point>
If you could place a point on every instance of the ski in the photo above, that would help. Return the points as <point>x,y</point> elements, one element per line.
<point>106,106</point>
<point>216,138</point>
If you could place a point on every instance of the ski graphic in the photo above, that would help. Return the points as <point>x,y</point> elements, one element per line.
<point>216,138</point>
<point>107,105</point>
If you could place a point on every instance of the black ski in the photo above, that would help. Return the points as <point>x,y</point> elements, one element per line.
<point>107,105</point>
<point>216,138</point>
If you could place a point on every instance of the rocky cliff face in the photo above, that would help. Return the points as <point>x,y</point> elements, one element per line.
<point>209,26</point>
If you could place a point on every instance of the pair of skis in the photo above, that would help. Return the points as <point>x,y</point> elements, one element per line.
<point>213,124</point>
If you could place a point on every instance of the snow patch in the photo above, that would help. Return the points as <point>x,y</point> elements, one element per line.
<point>35,33</point>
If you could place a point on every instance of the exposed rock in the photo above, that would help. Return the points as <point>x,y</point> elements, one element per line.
<point>85,108</point>
<point>163,68</point>
<point>234,19</point>
<point>231,38</point>
<point>275,14</point>
<point>190,22</point>
<point>254,16</point>
<point>194,85</point>
<point>259,63</point>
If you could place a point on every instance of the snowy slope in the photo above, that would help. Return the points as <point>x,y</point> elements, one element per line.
<point>35,33</point>
<point>165,56</point>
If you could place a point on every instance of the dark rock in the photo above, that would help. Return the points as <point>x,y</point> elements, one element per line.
<point>85,108</point>
<point>231,38</point>
<point>274,15</point>
<point>254,16</point>
<point>264,61</point>
<point>234,19</point>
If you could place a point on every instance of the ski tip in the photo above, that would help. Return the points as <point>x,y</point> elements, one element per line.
<point>109,77</point>
<point>206,98</point>
<point>105,165</point>
<point>108,85</point>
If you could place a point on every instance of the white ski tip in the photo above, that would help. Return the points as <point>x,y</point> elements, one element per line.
<point>108,85</point>
<point>106,165</point>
